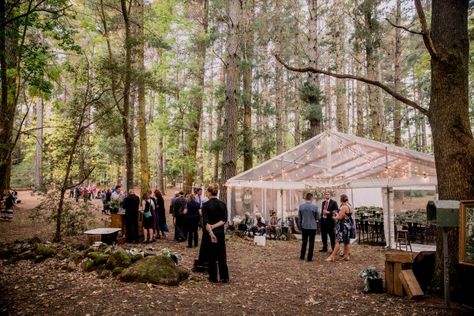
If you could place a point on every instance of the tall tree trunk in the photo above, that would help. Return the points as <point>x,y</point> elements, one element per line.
<point>196,113</point>
<point>372,59</point>
<point>231,108</point>
<point>328,101</point>
<point>360,104</point>
<point>160,183</point>
<point>141,113</point>
<point>8,52</point>
<point>313,41</point>
<point>452,135</point>
<point>247,83</point>
<point>397,117</point>
<point>315,124</point>
<point>39,146</point>
<point>279,106</point>
<point>297,80</point>
<point>341,99</point>
<point>126,119</point>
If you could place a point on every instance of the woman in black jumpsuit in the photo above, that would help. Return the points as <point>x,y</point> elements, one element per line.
<point>214,215</point>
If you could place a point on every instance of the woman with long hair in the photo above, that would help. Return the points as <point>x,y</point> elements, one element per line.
<point>214,214</point>
<point>147,209</point>
<point>343,229</point>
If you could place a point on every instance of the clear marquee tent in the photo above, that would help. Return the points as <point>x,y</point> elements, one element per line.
<point>333,161</point>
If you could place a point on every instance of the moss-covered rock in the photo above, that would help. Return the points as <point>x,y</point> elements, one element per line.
<point>46,250</point>
<point>98,257</point>
<point>135,257</point>
<point>117,270</point>
<point>88,265</point>
<point>64,254</point>
<point>119,258</point>
<point>156,270</point>
<point>27,255</point>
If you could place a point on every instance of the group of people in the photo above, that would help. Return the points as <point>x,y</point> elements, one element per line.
<point>186,211</point>
<point>7,201</point>
<point>86,193</point>
<point>260,227</point>
<point>336,222</point>
<point>152,209</point>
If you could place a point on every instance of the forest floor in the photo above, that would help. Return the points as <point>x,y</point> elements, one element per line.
<point>268,280</point>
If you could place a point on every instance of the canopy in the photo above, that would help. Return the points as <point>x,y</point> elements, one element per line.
<point>337,160</point>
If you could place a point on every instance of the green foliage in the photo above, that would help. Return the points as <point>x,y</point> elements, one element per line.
<point>75,218</point>
<point>312,97</point>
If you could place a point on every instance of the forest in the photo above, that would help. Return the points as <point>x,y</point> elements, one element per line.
<point>163,93</point>
<point>135,92</point>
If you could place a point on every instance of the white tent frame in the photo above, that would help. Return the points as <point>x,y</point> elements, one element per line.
<point>334,160</point>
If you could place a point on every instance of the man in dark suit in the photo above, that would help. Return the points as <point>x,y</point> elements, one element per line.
<point>131,203</point>
<point>328,222</point>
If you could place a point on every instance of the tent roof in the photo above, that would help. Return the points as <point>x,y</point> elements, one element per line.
<point>337,160</point>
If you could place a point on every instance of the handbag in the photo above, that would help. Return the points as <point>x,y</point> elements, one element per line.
<point>147,213</point>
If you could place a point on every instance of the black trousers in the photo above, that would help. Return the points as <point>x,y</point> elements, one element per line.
<point>218,258</point>
<point>328,227</point>
<point>131,226</point>
<point>308,234</point>
<point>192,225</point>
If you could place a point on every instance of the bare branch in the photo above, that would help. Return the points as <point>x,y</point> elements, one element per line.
<point>384,87</point>
<point>403,27</point>
<point>82,181</point>
<point>425,30</point>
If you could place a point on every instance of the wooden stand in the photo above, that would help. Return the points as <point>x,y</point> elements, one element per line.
<point>395,262</point>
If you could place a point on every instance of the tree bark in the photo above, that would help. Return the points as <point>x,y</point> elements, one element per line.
<point>449,119</point>
<point>8,59</point>
<point>315,124</point>
<point>126,117</point>
<point>247,84</point>
<point>196,113</point>
<point>231,107</point>
<point>39,146</point>
<point>313,41</point>
<point>372,60</point>
<point>341,99</point>
<point>397,117</point>
<point>279,106</point>
<point>141,113</point>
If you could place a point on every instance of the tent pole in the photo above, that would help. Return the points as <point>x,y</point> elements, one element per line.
<point>229,203</point>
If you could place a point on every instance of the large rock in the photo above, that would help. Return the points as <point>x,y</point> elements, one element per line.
<point>119,258</point>
<point>156,270</point>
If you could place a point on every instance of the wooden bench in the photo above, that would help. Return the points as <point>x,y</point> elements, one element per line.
<point>107,235</point>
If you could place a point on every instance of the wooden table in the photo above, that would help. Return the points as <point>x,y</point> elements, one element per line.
<point>107,235</point>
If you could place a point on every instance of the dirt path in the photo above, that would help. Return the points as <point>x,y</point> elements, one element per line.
<point>267,280</point>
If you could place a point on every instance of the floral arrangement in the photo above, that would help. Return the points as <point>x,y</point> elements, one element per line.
<point>372,280</point>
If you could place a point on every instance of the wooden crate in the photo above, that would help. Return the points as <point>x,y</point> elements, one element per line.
<point>410,284</point>
<point>395,262</point>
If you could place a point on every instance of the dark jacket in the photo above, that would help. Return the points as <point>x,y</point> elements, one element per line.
<point>131,203</point>
<point>214,211</point>
<point>331,209</point>
<point>193,209</point>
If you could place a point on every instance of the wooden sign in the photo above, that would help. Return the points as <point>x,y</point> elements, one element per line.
<point>466,232</point>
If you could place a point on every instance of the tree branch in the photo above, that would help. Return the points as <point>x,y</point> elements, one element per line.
<point>425,30</point>
<point>384,87</point>
<point>403,27</point>
<point>82,181</point>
